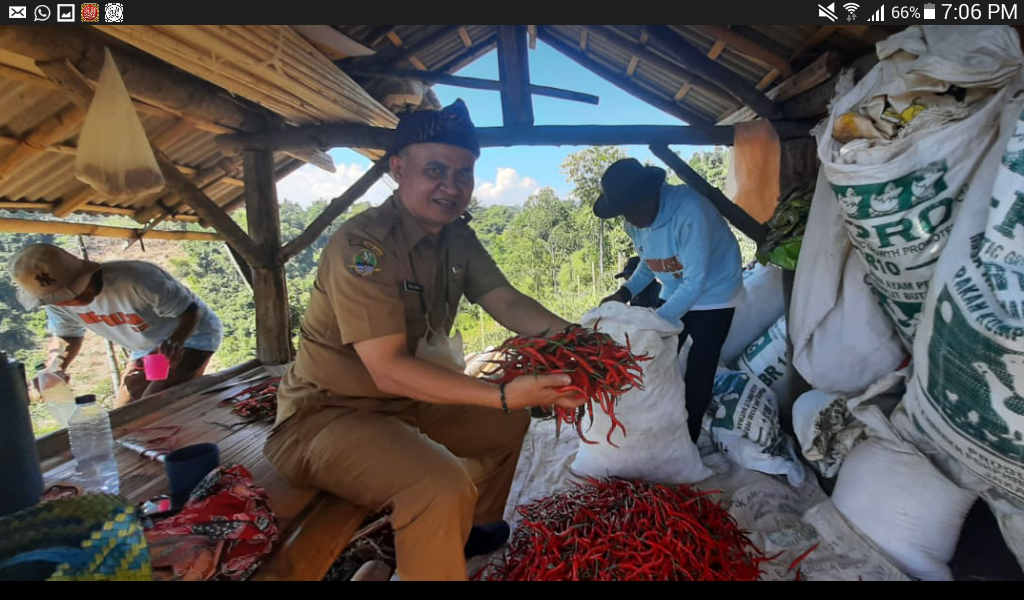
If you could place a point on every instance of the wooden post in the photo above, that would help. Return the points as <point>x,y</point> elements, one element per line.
<point>115,369</point>
<point>798,163</point>
<point>273,322</point>
<point>798,166</point>
<point>732,213</point>
<point>514,73</point>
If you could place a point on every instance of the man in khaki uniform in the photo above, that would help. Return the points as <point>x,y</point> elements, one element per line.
<point>367,412</point>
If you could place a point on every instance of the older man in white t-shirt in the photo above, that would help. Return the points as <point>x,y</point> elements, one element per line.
<point>134,304</point>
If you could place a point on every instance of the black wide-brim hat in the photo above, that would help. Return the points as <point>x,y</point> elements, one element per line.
<point>623,183</point>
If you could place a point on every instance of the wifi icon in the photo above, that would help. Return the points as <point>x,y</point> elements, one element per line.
<point>851,8</point>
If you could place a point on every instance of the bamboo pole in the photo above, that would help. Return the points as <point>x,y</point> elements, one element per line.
<point>126,233</point>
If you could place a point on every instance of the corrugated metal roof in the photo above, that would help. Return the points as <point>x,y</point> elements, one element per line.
<point>48,178</point>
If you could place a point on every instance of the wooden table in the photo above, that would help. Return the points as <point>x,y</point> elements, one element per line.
<point>315,527</point>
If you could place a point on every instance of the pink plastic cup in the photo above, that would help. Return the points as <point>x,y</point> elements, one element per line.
<point>156,366</point>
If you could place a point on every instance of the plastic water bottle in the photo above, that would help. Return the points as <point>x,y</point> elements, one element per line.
<point>92,444</point>
<point>56,393</point>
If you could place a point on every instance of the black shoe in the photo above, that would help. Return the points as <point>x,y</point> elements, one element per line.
<point>484,539</point>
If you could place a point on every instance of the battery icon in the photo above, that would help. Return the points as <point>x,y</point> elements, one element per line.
<point>929,11</point>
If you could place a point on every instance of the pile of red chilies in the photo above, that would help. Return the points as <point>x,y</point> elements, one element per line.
<point>618,530</point>
<point>258,402</point>
<point>601,370</point>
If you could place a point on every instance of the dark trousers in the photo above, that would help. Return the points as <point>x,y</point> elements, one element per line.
<point>708,328</point>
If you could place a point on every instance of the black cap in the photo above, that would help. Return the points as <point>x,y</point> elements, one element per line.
<point>623,183</point>
<point>450,125</point>
<point>86,399</point>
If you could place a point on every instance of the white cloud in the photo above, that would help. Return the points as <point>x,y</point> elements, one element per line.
<point>509,187</point>
<point>309,184</point>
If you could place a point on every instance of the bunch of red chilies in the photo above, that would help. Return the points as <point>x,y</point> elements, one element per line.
<point>601,370</point>
<point>258,402</point>
<point>619,530</point>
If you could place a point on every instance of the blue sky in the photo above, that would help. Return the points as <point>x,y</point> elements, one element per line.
<point>507,175</point>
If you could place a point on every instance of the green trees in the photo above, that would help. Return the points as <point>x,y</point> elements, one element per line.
<point>551,248</point>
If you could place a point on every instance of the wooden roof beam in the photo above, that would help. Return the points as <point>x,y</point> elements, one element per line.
<point>89,208</point>
<point>821,70</point>
<point>51,131</point>
<point>695,61</point>
<point>469,55</point>
<point>223,170</point>
<point>745,46</point>
<point>146,79</point>
<point>633,48</point>
<point>584,59</point>
<point>410,53</point>
<point>731,211</point>
<point>365,136</point>
<point>154,87</point>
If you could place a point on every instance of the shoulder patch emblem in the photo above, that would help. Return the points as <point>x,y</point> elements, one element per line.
<point>365,262</point>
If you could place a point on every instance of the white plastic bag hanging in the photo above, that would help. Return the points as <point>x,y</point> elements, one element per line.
<point>114,155</point>
<point>444,351</point>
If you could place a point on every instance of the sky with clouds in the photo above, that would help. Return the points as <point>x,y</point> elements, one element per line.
<point>504,175</point>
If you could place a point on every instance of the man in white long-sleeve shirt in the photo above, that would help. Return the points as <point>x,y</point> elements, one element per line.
<point>686,245</point>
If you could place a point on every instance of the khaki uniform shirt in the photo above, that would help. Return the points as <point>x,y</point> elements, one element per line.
<point>381,274</point>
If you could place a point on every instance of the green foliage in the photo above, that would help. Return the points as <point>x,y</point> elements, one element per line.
<point>209,270</point>
<point>712,165</point>
<point>552,249</point>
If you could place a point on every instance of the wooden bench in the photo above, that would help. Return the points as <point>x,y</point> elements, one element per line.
<point>314,527</point>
